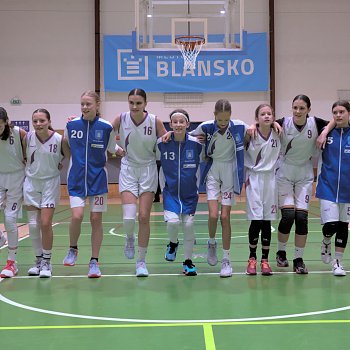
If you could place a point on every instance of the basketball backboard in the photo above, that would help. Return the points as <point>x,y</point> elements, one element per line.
<point>159,22</point>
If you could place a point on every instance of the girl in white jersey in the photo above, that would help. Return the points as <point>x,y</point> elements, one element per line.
<point>223,137</point>
<point>11,186</point>
<point>42,188</point>
<point>295,177</point>
<point>138,131</point>
<point>261,191</point>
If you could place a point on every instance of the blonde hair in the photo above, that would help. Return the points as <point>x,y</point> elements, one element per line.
<point>95,96</point>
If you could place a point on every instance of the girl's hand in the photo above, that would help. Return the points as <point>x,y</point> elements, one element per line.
<point>166,137</point>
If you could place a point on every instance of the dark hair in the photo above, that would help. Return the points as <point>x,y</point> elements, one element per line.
<point>342,103</point>
<point>3,116</point>
<point>95,95</point>
<point>222,105</point>
<point>182,111</point>
<point>46,112</point>
<point>262,106</point>
<point>138,92</point>
<point>303,98</point>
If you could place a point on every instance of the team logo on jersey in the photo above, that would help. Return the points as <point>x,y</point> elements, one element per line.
<point>189,154</point>
<point>98,134</point>
<point>238,138</point>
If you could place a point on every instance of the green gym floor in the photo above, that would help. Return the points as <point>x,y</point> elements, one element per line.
<point>167,309</point>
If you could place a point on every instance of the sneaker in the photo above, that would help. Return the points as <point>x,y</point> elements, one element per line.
<point>211,255</point>
<point>10,270</point>
<point>188,268</point>
<point>129,248</point>
<point>141,269</point>
<point>2,239</point>
<point>94,270</point>
<point>281,259</point>
<point>226,269</point>
<point>251,267</point>
<point>170,254</point>
<point>265,268</point>
<point>71,257</point>
<point>45,269</point>
<point>326,255</point>
<point>299,266</point>
<point>338,269</point>
<point>35,269</point>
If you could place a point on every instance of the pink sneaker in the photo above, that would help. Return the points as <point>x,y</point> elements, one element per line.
<point>10,270</point>
<point>251,267</point>
<point>265,268</point>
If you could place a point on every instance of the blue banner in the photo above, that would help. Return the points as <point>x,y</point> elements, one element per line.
<point>245,71</point>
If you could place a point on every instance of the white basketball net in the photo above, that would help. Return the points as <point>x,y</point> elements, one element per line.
<point>190,48</point>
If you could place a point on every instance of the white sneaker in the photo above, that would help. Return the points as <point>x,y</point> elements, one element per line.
<point>212,257</point>
<point>326,255</point>
<point>2,239</point>
<point>45,269</point>
<point>35,269</point>
<point>338,269</point>
<point>129,248</point>
<point>141,269</point>
<point>226,269</point>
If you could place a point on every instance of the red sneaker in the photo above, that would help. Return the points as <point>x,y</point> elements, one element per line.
<point>265,268</point>
<point>10,270</point>
<point>251,267</point>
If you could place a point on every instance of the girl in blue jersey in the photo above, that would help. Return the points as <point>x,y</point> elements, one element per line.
<point>138,131</point>
<point>88,138</point>
<point>223,174</point>
<point>180,158</point>
<point>333,188</point>
<point>41,188</point>
<point>11,187</point>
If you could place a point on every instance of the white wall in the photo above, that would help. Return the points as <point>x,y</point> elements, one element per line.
<point>47,56</point>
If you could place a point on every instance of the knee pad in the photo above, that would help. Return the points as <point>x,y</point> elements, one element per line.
<point>301,223</point>
<point>254,230</point>
<point>287,220</point>
<point>341,238</point>
<point>129,211</point>
<point>330,228</point>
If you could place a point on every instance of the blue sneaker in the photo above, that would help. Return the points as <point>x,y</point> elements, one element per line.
<point>170,254</point>
<point>71,257</point>
<point>94,270</point>
<point>188,268</point>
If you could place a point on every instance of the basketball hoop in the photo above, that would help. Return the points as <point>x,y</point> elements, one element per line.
<point>190,47</point>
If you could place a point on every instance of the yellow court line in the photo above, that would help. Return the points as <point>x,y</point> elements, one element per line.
<point>209,337</point>
<point>206,326</point>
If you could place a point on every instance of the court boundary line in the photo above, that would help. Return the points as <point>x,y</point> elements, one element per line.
<point>131,320</point>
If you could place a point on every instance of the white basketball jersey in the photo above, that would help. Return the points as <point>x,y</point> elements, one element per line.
<point>298,146</point>
<point>223,147</point>
<point>43,158</point>
<point>262,154</point>
<point>11,153</point>
<point>138,140</point>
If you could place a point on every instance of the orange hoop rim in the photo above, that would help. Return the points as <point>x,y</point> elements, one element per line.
<point>189,39</point>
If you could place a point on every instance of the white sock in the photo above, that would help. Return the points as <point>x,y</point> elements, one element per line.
<point>142,254</point>
<point>282,246</point>
<point>298,252</point>
<point>226,254</point>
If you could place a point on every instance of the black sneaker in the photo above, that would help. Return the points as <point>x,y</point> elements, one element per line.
<point>170,254</point>
<point>281,259</point>
<point>299,266</point>
<point>188,268</point>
